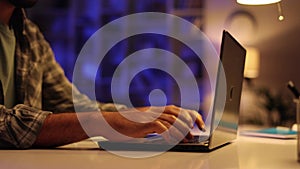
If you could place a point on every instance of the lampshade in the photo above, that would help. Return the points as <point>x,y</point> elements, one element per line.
<point>252,63</point>
<point>257,2</point>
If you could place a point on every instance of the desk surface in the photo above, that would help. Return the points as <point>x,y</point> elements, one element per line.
<point>244,153</point>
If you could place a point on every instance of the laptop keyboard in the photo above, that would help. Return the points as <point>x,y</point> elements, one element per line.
<point>198,139</point>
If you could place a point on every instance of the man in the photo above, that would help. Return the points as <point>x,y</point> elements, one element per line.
<point>36,103</point>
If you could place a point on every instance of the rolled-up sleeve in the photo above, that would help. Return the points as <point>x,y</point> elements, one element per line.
<point>20,126</point>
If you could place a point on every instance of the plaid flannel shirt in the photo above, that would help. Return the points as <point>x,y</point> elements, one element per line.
<point>41,89</point>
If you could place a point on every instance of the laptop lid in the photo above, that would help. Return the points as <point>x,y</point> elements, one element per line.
<point>224,124</point>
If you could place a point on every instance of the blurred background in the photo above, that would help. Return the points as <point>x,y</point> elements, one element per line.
<point>274,46</point>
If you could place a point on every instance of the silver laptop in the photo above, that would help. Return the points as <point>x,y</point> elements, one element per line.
<point>223,125</point>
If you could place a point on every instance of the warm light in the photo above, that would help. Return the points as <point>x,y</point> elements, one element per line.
<point>257,2</point>
<point>252,63</point>
<point>281,18</point>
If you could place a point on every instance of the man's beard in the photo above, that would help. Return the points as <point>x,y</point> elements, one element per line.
<point>23,3</point>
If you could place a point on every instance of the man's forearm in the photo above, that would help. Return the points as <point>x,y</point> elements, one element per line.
<point>61,129</point>
<point>66,128</point>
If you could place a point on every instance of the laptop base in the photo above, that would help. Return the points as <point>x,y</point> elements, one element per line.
<point>182,147</point>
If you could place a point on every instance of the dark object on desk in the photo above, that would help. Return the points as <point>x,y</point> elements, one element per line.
<point>223,122</point>
<point>293,89</point>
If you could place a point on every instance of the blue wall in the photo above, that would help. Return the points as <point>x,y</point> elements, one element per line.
<point>68,24</point>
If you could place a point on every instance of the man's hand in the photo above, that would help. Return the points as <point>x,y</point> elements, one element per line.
<point>172,122</point>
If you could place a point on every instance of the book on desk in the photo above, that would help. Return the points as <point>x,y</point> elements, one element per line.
<point>273,132</point>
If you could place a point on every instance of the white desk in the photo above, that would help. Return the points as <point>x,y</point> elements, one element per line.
<point>245,153</point>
